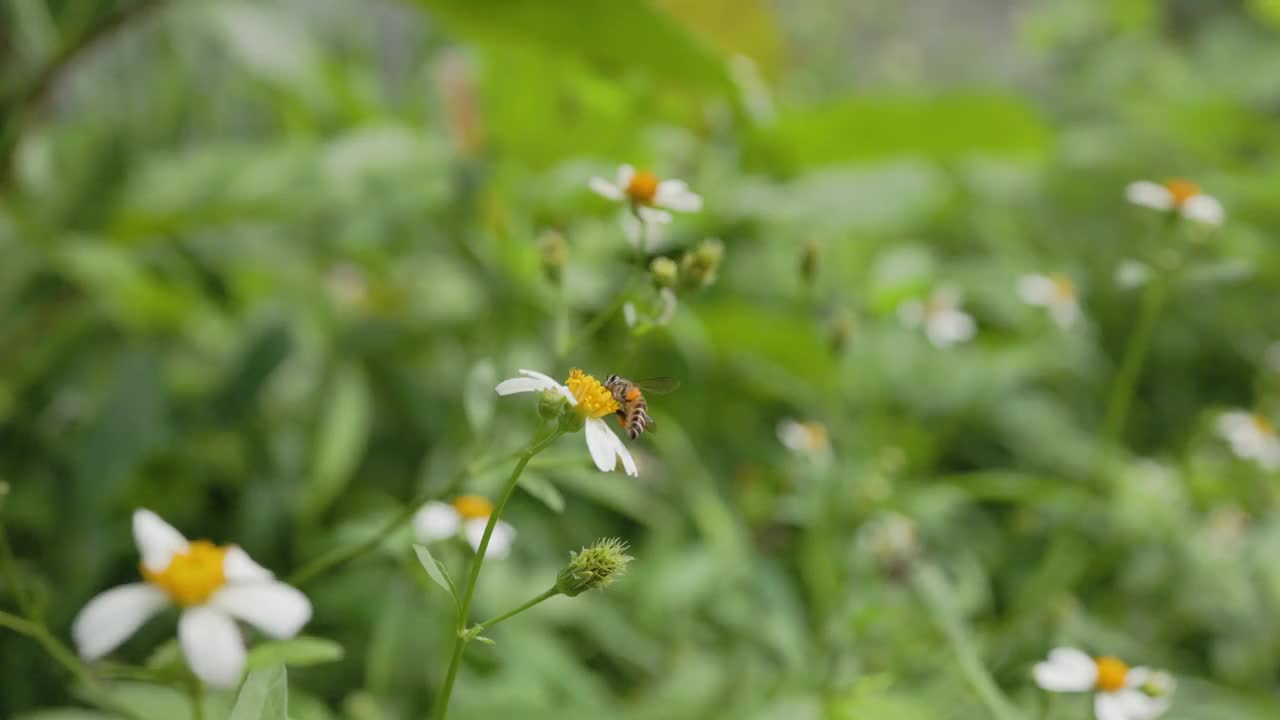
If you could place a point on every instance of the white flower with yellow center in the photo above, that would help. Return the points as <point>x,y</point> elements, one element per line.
<point>1177,196</point>
<point>945,324</point>
<point>212,585</point>
<point>592,401</point>
<point>1122,692</point>
<point>468,514</point>
<point>1252,437</point>
<point>809,437</point>
<point>647,200</point>
<point>1055,292</point>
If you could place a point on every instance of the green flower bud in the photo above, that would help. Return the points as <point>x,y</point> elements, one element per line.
<point>700,266</point>
<point>595,566</point>
<point>894,543</point>
<point>666,273</point>
<point>554,251</point>
<point>552,405</point>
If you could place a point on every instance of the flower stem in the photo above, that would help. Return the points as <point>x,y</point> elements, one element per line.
<point>1135,354</point>
<point>197,698</point>
<point>9,569</point>
<point>933,590</point>
<point>550,593</point>
<point>460,637</point>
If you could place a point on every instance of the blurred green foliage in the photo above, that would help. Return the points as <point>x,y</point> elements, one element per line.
<point>264,261</point>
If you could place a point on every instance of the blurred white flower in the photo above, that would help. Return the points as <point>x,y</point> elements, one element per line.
<point>1131,274</point>
<point>214,586</point>
<point>1181,196</point>
<point>1054,292</point>
<point>592,401</point>
<point>468,514</point>
<point>945,324</point>
<point>647,200</point>
<point>1252,437</point>
<point>809,437</point>
<point>1122,693</point>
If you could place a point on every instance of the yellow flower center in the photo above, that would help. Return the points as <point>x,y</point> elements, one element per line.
<point>1111,674</point>
<point>1063,288</point>
<point>816,435</point>
<point>594,400</point>
<point>643,187</point>
<point>1181,190</point>
<point>192,575</point>
<point>1263,425</point>
<point>472,507</point>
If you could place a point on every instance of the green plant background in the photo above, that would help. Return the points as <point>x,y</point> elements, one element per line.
<point>190,190</point>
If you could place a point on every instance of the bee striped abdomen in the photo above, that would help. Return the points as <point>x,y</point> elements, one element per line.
<point>637,417</point>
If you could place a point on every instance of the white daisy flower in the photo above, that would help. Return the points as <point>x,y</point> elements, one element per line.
<point>593,401</point>
<point>1054,292</point>
<point>945,324</point>
<point>648,200</point>
<point>804,437</point>
<point>1122,693</point>
<point>1176,195</point>
<point>213,585</point>
<point>468,514</point>
<point>1252,437</point>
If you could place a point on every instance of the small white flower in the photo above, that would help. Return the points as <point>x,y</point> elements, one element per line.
<point>1132,274</point>
<point>1122,693</point>
<point>593,401</point>
<point>468,514</point>
<point>1054,292</point>
<point>214,586</point>
<point>804,437</point>
<point>647,201</point>
<point>945,324</point>
<point>1252,437</point>
<point>1181,196</point>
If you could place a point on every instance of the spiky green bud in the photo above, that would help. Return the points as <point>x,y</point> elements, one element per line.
<point>595,566</point>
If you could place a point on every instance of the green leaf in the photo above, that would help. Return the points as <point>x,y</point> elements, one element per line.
<point>436,570</point>
<point>263,696</point>
<point>879,128</point>
<point>631,35</point>
<point>300,651</point>
<point>340,439</point>
<point>478,396</point>
<point>167,657</point>
<point>239,393</point>
<point>66,714</point>
<point>542,489</point>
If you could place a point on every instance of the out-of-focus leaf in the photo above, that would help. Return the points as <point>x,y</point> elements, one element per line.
<point>878,128</point>
<point>478,396</point>
<point>66,714</point>
<point>436,570</point>
<point>340,438</point>
<point>240,390</point>
<point>542,489</point>
<point>632,35</point>
<point>299,652</point>
<point>263,696</point>
<point>129,423</point>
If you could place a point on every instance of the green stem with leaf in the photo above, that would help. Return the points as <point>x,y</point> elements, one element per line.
<point>480,627</point>
<point>1131,363</point>
<point>462,635</point>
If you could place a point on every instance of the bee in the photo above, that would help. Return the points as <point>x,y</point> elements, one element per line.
<point>633,413</point>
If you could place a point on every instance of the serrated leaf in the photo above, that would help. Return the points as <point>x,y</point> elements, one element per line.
<point>300,651</point>
<point>263,696</point>
<point>436,570</point>
<point>542,489</point>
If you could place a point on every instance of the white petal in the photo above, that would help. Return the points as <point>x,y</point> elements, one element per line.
<point>629,313</point>
<point>532,381</point>
<point>499,542</point>
<point>600,443</point>
<point>793,435</point>
<point>675,195</point>
<point>111,617</point>
<point>625,173</point>
<point>157,540</point>
<point>277,609</point>
<point>1131,274</point>
<point>1065,312</point>
<point>1110,706</point>
<point>628,462</point>
<point>949,327</point>
<point>654,216</point>
<point>1203,208</point>
<point>669,303</point>
<point>1149,194</point>
<point>605,188</point>
<point>212,645</point>
<point>1035,289</point>
<point>1066,670</point>
<point>436,521</point>
<point>238,567</point>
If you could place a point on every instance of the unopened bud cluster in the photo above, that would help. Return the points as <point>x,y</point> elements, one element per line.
<point>699,267</point>
<point>595,566</point>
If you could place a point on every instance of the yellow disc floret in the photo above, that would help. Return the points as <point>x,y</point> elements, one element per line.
<point>1063,287</point>
<point>193,575</point>
<point>1263,424</point>
<point>472,507</point>
<point>594,400</point>
<point>1181,190</point>
<point>1111,674</point>
<point>642,188</point>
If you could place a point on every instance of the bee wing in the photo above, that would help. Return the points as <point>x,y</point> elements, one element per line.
<point>658,385</point>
